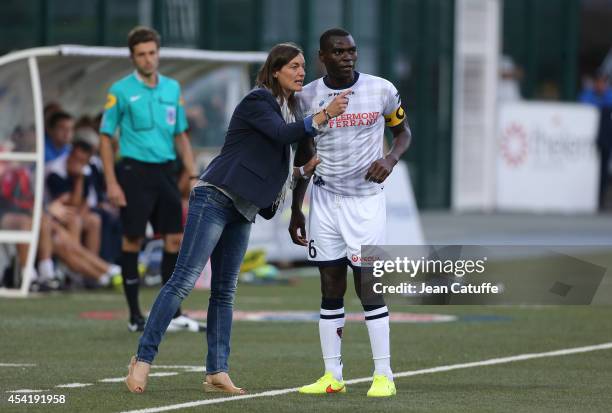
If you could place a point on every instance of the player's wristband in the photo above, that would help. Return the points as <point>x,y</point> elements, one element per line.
<point>327,115</point>
<point>303,173</point>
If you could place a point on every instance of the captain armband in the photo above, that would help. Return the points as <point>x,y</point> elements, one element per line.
<point>395,118</point>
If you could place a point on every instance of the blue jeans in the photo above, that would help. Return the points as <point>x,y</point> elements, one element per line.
<point>217,230</point>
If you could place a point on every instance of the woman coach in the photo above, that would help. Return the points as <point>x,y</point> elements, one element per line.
<point>248,177</point>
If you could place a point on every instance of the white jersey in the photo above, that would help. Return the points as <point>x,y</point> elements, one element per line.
<point>351,142</point>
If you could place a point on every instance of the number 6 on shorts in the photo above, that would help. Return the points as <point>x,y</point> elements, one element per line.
<point>312,251</point>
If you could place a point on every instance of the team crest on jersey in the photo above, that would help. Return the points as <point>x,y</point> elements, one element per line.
<point>170,115</point>
<point>321,103</point>
<point>318,181</point>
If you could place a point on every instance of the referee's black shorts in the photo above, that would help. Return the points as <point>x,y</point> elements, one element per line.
<point>152,195</point>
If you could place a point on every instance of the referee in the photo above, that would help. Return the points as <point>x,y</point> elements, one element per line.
<point>148,109</point>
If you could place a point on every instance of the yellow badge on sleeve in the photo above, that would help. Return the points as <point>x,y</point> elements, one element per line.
<point>111,100</point>
<point>395,118</point>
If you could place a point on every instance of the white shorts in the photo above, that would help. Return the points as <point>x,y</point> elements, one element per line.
<point>339,225</point>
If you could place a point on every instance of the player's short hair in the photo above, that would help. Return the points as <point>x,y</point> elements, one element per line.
<point>51,108</point>
<point>336,31</point>
<point>142,34</point>
<point>83,146</point>
<point>57,117</point>
<point>279,56</point>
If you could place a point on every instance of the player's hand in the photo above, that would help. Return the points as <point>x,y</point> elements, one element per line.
<point>63,213</point>
<point>116,195</point>
<point>380,170</point>
<point>310,166</point>
<point>297,228</point>
<point>339,104</point>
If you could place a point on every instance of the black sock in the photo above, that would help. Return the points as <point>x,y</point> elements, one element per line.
<point>131,281</point>
<point>167,268</point>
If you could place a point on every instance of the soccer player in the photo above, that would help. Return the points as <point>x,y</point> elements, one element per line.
<point>347,203</point>
<point>148,109</point>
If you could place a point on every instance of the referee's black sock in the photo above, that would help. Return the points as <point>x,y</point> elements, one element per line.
<point>167,268</point>
<point>131,281</point>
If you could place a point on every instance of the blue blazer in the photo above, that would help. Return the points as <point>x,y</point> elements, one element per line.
<point>254,160</point>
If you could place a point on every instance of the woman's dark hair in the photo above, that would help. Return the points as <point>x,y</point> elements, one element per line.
<point>279,56</point>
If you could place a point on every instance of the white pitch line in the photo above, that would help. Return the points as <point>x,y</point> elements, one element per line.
<point>196,370</point>
<point>73,385</point>
<point>120,379</point>
<point>16,365</point>
<point>186,369</point>
<point>26,391</point>
<point>113,380</point>
<point>164,374</point>
<point>489,362</point>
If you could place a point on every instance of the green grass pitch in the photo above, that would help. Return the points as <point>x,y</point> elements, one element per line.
<point>66,348</point>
